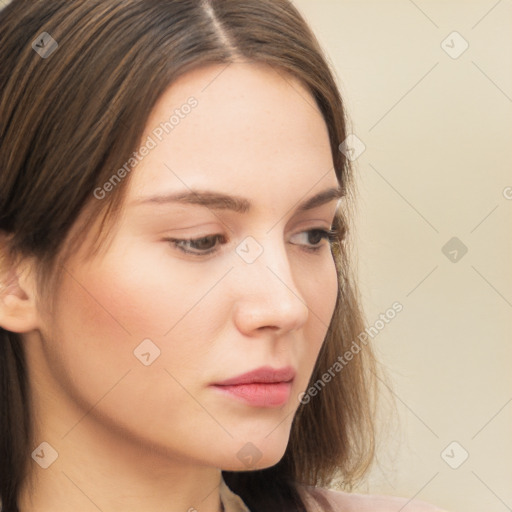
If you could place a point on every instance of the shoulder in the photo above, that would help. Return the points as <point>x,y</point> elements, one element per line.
<point>354,502</point>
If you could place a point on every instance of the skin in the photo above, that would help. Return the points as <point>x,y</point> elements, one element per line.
<point>132,437</point>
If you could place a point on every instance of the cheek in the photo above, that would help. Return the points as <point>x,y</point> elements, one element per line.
<point>329,291</point>
<point>139,293</point>
<point>104,312</point>
<point>320,290</point>
<point>107,310</point>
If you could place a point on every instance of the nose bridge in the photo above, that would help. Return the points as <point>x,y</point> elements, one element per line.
<point>266,261</point>
<point>267,284</point>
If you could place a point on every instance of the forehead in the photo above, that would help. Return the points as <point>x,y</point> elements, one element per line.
<point>236,127</point>
<point>253,132</point>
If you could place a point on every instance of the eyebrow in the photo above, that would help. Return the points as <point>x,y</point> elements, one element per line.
<point>220,201</point>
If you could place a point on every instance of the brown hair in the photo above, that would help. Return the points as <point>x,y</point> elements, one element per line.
<point>68,120</point>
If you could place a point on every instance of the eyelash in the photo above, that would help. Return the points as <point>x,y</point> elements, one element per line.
<point>331,235</point>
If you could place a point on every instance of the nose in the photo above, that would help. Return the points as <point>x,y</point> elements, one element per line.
<point>266,293</point>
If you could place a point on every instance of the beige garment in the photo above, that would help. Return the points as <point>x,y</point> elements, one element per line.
<point>341,501</point>
<point>354,502</point>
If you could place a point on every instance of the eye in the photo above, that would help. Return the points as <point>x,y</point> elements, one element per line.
<point>200,246</point>
<point>206,245</point>
<point>314,237</point>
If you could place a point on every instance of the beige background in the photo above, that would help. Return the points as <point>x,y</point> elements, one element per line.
<point>438,133</point>
<point>438,137</point>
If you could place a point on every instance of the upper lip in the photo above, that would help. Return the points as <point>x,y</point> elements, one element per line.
<point>264,374</point>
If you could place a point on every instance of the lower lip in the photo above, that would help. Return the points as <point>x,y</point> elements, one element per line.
<point>259,394</point>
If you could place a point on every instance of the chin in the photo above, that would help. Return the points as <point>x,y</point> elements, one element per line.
<point>255,454</point>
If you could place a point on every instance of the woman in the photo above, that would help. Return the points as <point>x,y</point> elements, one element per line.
<point>176,292</point>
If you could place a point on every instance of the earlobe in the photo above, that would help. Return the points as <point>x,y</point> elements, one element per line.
<point>18,312</point>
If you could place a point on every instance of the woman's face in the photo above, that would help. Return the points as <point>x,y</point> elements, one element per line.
<point>143,330</point>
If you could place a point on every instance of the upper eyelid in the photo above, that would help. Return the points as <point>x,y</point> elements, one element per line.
<point>329,220</point>
<point>330,225</point>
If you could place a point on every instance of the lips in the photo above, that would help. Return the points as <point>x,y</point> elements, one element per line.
<point>262,387</point>
<point>265,374</point>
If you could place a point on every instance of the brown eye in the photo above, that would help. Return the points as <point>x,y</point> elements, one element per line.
<point>314,238</point>
<point>197,246</point>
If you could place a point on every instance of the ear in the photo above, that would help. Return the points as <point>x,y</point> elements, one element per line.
<point>18,311</point>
